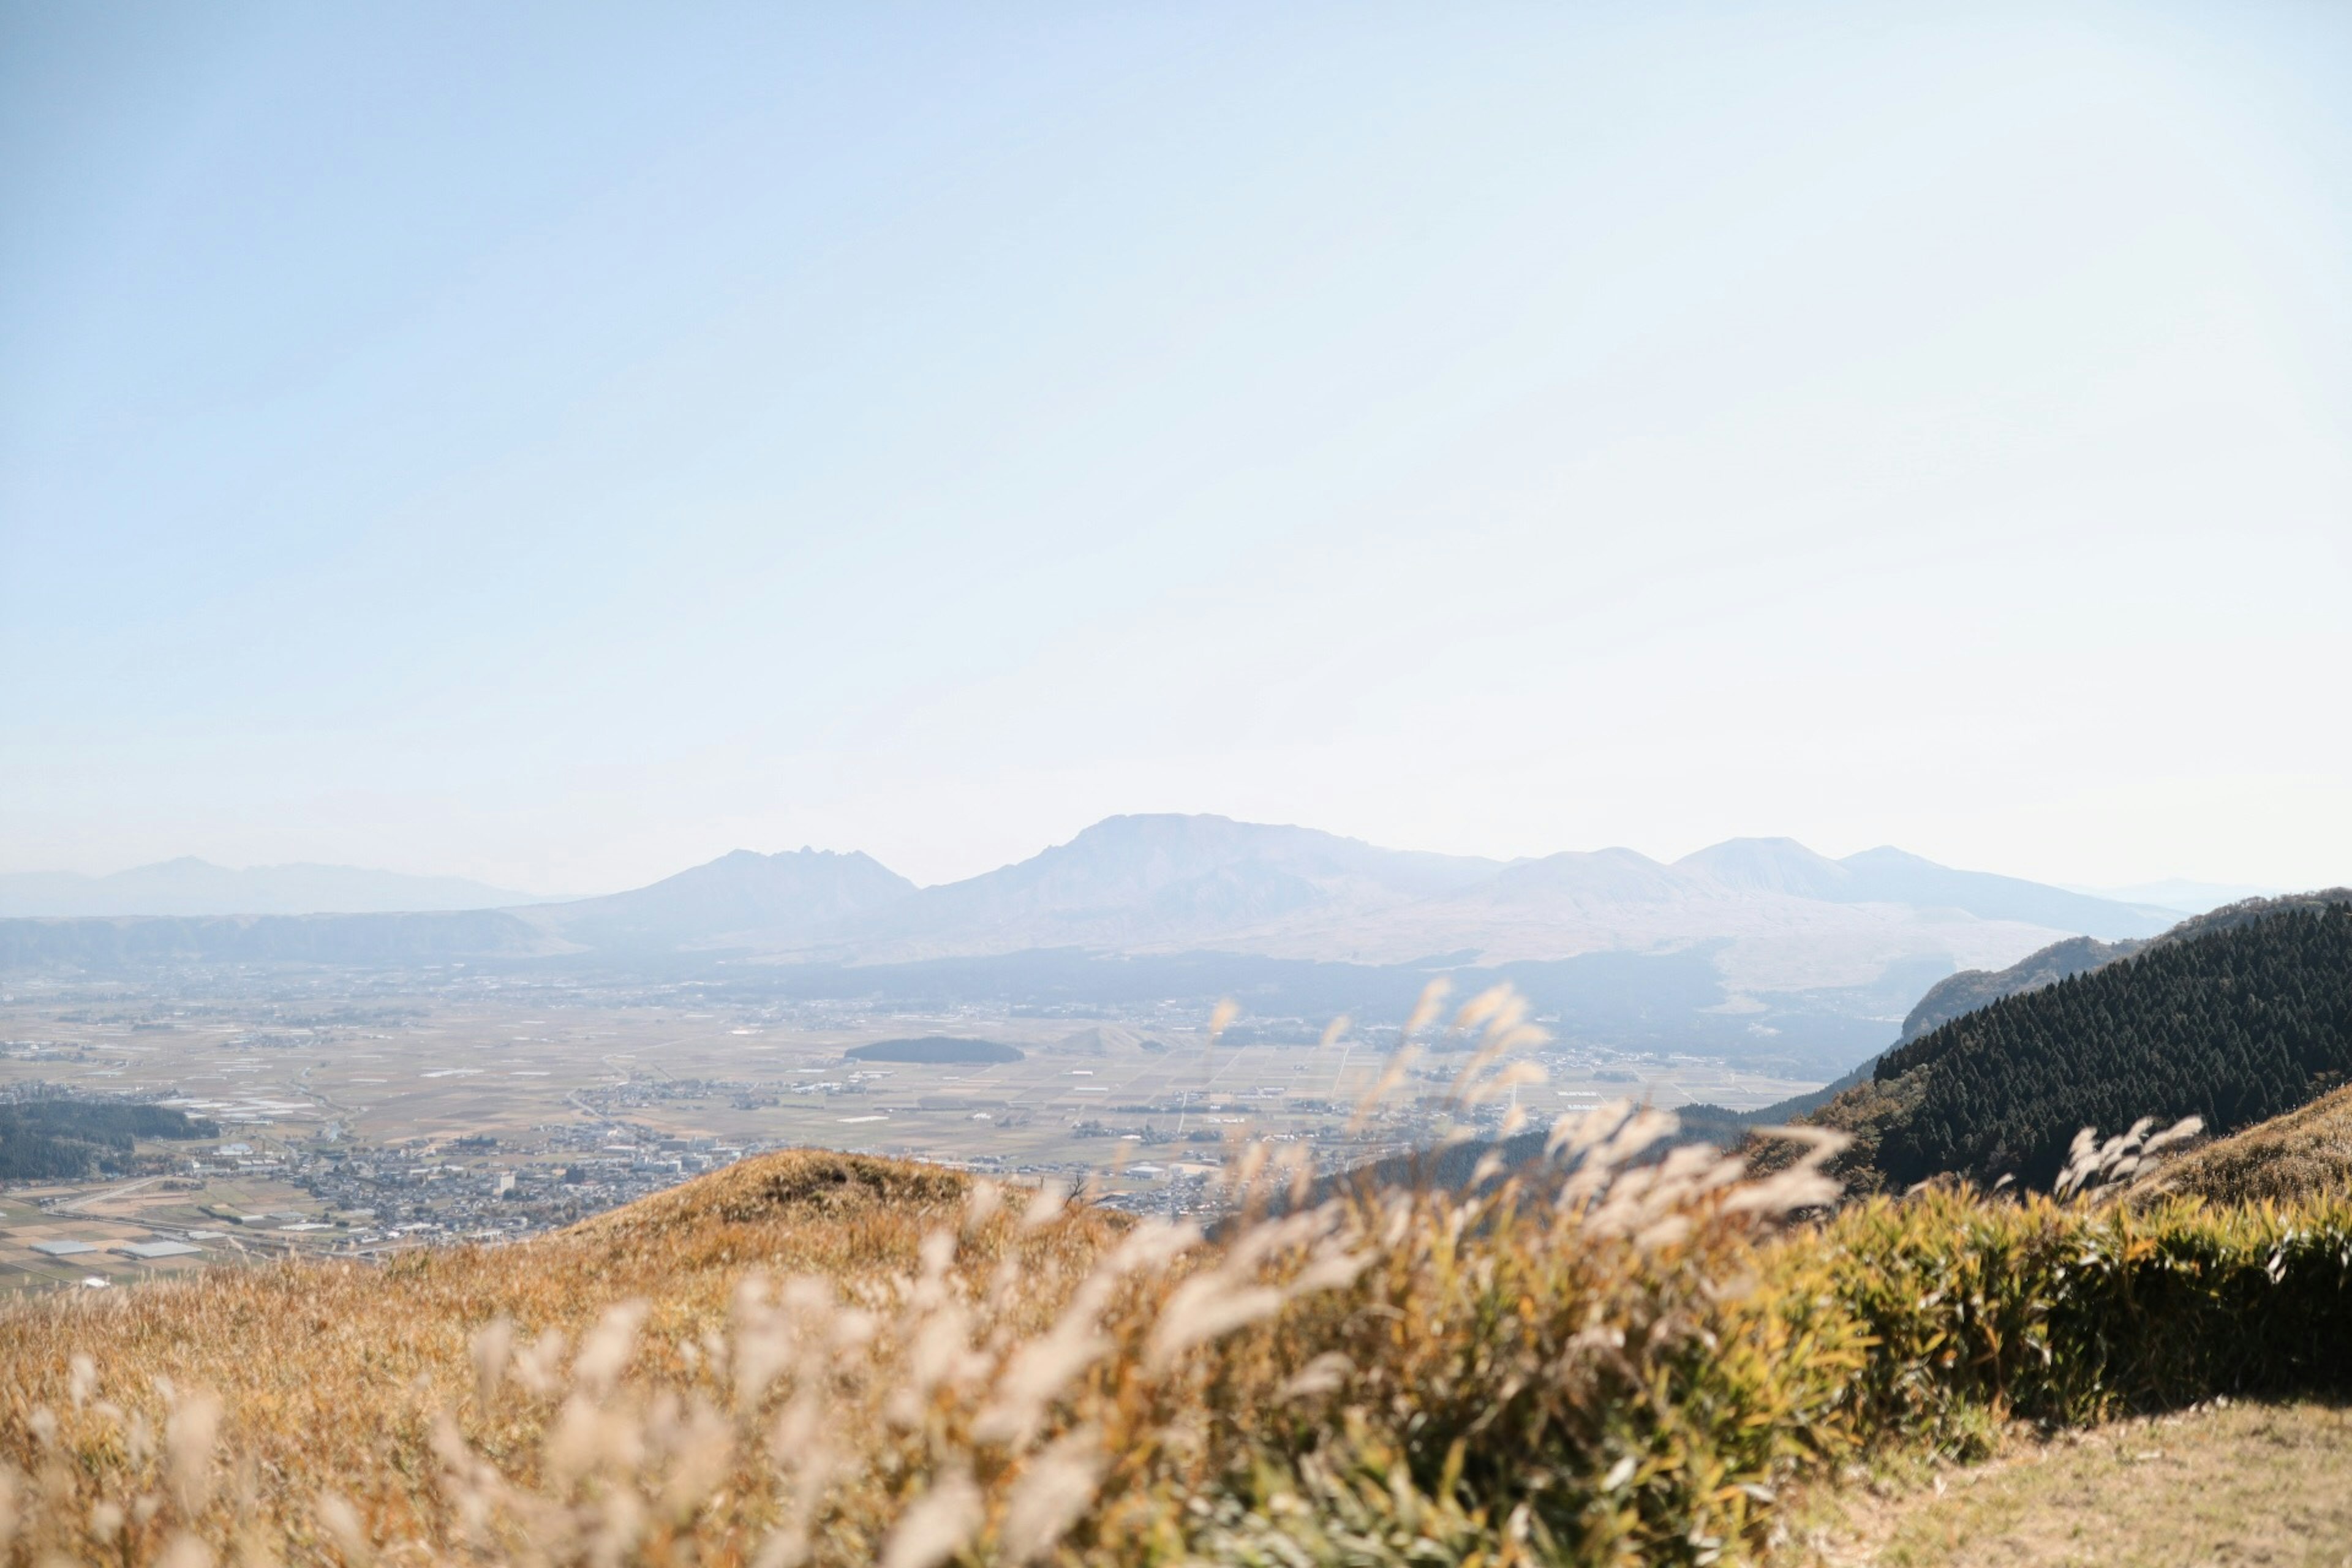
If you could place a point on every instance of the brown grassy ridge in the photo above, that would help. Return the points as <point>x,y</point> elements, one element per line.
<point>814,1358</point>
<point>2305,1152</point>
<point>330,1376</point>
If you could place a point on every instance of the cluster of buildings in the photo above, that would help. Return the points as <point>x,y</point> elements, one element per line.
<point>484,1188</point>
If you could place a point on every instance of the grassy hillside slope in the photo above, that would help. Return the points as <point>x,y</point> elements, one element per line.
<point>818,1358</point>
<point>2305,1153</point>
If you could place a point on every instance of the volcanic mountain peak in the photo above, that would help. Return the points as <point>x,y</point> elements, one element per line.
<point>742,894</point>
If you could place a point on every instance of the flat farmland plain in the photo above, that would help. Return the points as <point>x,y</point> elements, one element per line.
<point>409,1109</point>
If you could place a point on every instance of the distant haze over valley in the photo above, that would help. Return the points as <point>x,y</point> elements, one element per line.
<point>2189,897</point>
<point>188,886</point>
<point>1754,946</point>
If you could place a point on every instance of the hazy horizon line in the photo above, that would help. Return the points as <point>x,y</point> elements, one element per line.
<point>2132,890</point>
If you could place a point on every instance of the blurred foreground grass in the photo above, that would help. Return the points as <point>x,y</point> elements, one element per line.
<point>1617,1355</point>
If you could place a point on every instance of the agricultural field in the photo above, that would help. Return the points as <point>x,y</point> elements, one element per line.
<point>120,1232</point>
<point>371,1112</point>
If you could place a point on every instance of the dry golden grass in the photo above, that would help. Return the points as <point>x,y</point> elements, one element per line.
<point>1609,1358</point>
<point>824,1358</point>
<point>2237,1482</point>
<point>330,1379</point>
<point>2302,1153</point>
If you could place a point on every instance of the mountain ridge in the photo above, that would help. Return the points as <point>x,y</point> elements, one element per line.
<point>1754,947</point>
<point>1780,915</point>
<point>1173,883</point>
<point>189,887</point>
<point>741,895</point>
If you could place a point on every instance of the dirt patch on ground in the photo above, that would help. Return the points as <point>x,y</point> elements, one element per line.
<point>2230,1483</point>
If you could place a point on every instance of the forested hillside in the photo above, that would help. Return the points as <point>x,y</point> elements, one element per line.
<point>61,1140</point>
<point>1970,989</point>
<point>2239,1023</point>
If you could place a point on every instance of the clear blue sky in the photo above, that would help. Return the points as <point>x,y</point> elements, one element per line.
<point>560,444</point>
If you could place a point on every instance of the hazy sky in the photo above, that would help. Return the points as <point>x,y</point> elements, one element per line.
<point>560,446</point>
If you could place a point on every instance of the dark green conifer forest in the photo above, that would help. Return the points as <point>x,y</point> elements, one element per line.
<point>2235,1027</point>
<point>63,1140</point>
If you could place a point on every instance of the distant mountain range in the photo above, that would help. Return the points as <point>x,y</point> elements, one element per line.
<point>192,887</point>
<point>1780,915</point>
<point>1755,947</point>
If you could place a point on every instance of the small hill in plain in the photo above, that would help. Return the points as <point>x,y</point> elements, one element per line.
<point>65,1140</point>
<point>1109,1040</point>
<point>936,1048</point>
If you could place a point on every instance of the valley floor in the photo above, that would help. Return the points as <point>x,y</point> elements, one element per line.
<point>2231,1483</point>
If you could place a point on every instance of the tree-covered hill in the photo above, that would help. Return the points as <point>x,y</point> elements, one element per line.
<point>935,1048</point>
<point>1970,989</point>
<point>2238,1022</point>
<point>61,1140</point>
